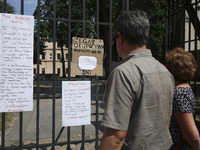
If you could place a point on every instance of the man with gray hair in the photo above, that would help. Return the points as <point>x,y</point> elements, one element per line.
<point>139,92</point>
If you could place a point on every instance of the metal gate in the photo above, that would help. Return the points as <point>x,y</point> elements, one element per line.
<point>56,22</point>
<point>182,29</point>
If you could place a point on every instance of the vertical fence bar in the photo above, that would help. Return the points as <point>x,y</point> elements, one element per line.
<point>110,31</point>
<point>127,4</point>
<point>21,130</point>
<point>3,131</point>
<point>69,40</point>
<point>69,65</point>
<point>97,112</point>
<point>184,23</point>
<point>97,101</point>
<point>110,50</point>
<point>37,81</point>
<point>189,34</point>
<point>195,49</point>
<point>21,113</point>
<point>196,84</point>
<point>170,23</point>
<point>84,12</point>
<point>22,7</point>
<point>4,8</point>
<point>166,27</point>
<point>84,30</point>
<point>174,21</point>
<point>54,66</point>
<point>97,17</point>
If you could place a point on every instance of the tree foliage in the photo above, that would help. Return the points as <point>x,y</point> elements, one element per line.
<point>76,13</point>
<point>9,8</point>
<point>155,10</point>
<point>46,25</point>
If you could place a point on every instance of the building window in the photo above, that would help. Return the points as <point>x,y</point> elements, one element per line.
<point>66,56</point>
<point>58,70</point>
<point>34,71</point>
<point>58,56</point>
<point>43,56</point>
<point>43,70</point>
<point>51,56</point>
<point>66,70</point>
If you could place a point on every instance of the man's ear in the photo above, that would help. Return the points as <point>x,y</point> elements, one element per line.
<point>120,37</point>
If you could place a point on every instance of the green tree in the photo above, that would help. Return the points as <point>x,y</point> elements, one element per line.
<point>105,31</point>
<point>155,10</point>
<point>9,8</point>
<point>46,26</point>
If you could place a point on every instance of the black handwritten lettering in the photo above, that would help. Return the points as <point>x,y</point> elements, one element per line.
<point>86,72</point>
<point>76,104</point>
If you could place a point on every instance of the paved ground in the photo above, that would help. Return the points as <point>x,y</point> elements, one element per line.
<point>45,126</point>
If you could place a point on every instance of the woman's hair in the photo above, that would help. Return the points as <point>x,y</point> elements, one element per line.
<point>181,64</point>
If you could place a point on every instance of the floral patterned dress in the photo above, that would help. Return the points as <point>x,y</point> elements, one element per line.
<point>184,102</point>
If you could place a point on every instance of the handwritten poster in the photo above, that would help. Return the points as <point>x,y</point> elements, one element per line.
<point>76,103</point>
<point>87,56</point>
<point>16,63</point>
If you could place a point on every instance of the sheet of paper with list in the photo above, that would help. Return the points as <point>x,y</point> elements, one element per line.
<point>16,62</point>
<point>76,103</point>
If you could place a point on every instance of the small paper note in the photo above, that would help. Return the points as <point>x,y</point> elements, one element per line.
<point>87,62</point>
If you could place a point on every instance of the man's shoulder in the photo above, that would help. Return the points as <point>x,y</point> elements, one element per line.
<point>126,68</point>
<point>139,66</point>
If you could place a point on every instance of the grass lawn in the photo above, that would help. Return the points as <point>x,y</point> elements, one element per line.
<point>41,86</point>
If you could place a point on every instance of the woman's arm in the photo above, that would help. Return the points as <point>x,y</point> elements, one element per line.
<point>112,139</point>
<point>188,127</point>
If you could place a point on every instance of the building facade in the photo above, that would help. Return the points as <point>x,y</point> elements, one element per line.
<point>46,59</point>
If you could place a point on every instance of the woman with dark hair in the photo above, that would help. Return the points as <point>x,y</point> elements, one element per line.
<point>182,65</point>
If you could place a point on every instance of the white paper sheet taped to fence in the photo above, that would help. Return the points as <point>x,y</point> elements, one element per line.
<point>16,62</point>
<point>76,103</point>
<point>87,63</point>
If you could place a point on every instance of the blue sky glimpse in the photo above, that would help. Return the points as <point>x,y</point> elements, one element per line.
<point>29,6</point>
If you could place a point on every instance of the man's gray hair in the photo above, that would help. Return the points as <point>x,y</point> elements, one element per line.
<point>134,26</point>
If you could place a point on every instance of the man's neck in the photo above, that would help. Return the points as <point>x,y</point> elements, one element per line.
<point>130,49</point>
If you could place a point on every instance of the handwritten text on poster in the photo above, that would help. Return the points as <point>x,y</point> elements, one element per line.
<point>76,99</point>
<point>16,62</point>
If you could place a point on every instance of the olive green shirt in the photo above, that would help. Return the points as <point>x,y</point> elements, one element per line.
<point>138,99</point>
